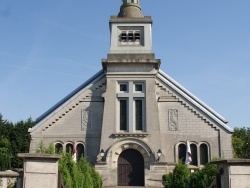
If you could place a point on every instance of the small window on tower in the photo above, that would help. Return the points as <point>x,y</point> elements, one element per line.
<point>130,36</point>
<point>137,36</point>
<point>124,36</point>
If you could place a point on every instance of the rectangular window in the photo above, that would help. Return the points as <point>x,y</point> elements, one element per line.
<point>124,36</point>
<point>138,87</point>
<point>123,87</point>
<point>123,115</point>
<point>137,36</point>
<point>131,36</point>
<point>138,115</point>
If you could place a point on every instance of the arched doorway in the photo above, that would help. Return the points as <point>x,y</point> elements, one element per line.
<point>130,168</point>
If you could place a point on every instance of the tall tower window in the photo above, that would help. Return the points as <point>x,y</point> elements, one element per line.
<point>123,115</point>
<point>131,106</point>
<point>138,115</point>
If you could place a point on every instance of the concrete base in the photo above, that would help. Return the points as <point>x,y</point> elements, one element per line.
<point>233,173</point>
<point>40,170</point>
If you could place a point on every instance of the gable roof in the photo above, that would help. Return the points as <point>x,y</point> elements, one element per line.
<point>67,99</point>
<point>193,100</point>
<point>176,87</point>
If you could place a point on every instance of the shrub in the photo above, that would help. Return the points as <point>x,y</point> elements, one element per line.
<point>80,174</point>
<point>182,178</point>
<point>179,178</point>
<point>74,175</point>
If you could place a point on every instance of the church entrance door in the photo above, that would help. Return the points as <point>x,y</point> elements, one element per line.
<point>130,168</point>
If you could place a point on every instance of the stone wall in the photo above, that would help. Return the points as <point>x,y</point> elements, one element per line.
<point>233,173</point>
<point>10,178</point>
<point>40,170</point>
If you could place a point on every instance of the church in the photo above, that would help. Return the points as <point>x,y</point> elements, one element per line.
<point>131,120</point>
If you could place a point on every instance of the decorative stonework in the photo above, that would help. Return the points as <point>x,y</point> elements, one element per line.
<point>173,119</point>
<point>86,118</point>
<point>130,135</point>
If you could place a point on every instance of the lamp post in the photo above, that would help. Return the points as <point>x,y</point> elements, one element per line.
<point>159,154</point>
<point>102,154</point>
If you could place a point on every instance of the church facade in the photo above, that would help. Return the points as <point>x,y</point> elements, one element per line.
<point>131,120</point>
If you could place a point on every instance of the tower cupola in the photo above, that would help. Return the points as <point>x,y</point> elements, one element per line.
<point>130,9</point>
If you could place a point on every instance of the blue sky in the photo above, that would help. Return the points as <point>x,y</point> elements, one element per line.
<point>50,47</point>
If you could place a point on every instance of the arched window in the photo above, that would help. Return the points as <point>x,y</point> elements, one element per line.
<point>194,161</point>
<point>203,154</point>
<point>80,150</point>
<point>58,148</point>
<point>182,152</point>
<point>69,148</point>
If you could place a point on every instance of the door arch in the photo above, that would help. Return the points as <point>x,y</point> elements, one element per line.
<point>130,168</point>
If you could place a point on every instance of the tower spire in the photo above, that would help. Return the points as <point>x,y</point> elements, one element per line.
<point>130,8</point>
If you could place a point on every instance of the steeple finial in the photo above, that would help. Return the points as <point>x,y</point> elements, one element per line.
<point>130,8</point>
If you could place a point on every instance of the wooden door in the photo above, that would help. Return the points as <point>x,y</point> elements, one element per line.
<point>130,168</point>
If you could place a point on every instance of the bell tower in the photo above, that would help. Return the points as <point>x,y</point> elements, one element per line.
<point>130,31</point>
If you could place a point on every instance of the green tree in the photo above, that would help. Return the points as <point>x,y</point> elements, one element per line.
<point>5,146</point>
<point>182,178</point>
<point>74,175</point>
<point>203,177</point>
<point>179,178</point>
<point>80,174</point>
<point>20,141</point>
<point>241,142</point>
<point>5,157</point>
<point>14,139</point>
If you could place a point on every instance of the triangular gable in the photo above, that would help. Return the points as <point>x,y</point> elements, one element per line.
<point>86,85</point>
<point>193,100</point>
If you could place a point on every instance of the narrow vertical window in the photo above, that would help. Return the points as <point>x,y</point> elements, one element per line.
<point>137,36</point>
<point>194,161</point>
<point>131,36</point>
<point>80,151</point>
<point>58,148</point>
<point>123,115</point>
<point>69,148</point>
<point>182,152</point>
<point>138,114</point>
<point>203,154</point>
<point>124,36</point>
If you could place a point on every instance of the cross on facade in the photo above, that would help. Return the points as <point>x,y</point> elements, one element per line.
<point>131,94</point>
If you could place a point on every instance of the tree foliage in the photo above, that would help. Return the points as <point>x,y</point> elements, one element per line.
<point>4,161</point>
<point>80,174</point>
<point>182,178</point>
<point>14,139</point>
<point>241,142</point>
<point>74,174</point>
